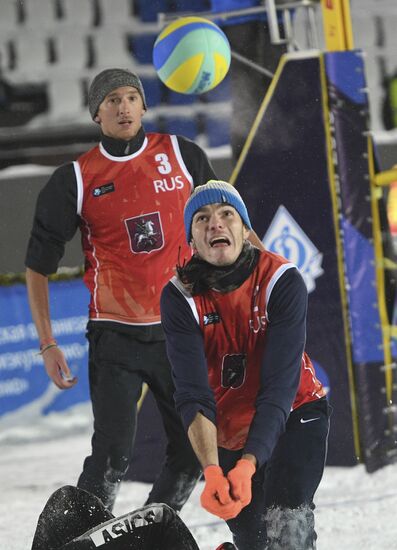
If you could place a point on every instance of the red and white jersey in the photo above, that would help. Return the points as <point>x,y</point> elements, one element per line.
<point>234,326</point>
<point>131,211</point>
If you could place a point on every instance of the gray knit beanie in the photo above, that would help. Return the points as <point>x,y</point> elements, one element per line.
<point>214,191</point>
<point>107,81</point>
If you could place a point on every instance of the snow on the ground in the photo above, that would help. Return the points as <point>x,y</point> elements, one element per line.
<point>355,510</point>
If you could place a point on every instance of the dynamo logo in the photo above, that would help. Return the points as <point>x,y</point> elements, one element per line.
<point>287,238</point>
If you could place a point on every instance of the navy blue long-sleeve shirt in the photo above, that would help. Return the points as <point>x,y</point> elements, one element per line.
<point>280,369</point>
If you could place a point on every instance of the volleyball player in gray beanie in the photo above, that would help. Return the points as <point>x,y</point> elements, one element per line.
<point>126,194</point>
<point>107,81</point>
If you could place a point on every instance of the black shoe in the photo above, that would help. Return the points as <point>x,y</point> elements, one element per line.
<point>227,546</point>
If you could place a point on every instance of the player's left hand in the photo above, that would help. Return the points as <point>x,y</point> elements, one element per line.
<point>240,481</point>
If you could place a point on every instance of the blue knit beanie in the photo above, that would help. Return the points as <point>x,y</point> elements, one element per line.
<point>213,192</point>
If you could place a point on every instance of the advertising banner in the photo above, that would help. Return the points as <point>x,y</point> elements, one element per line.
<point>25,388</point>
<point>348,104</point>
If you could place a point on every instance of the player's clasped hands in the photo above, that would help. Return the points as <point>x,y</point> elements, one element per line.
<point>226,496</point>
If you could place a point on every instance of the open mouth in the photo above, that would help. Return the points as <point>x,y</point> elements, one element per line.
<point>219,241</point>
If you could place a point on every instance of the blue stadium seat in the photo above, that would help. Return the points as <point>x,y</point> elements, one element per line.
<point>217,129</point>
<point>141,46</point>
<point>153,90</point>
<point>181,125</point>
<point>151,125</point>
<point>191,5</point>
<point>148,10</point>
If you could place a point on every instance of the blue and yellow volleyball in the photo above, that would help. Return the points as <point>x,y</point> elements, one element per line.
<point>191,55</point>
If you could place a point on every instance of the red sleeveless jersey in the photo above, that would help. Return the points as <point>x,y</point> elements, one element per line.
<point>234,327</point>
<point>131,211</point>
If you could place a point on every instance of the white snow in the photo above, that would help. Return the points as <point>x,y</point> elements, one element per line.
<point>355,510</point>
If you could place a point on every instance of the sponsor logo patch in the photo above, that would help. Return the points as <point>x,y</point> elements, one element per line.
<point>103,189</point>
<point>211,318</point>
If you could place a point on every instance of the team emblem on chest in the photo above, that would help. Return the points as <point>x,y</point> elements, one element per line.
<point>145,232</point>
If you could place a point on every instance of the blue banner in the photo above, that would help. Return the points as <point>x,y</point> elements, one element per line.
<point>349,116</point>
<point>24,384</point>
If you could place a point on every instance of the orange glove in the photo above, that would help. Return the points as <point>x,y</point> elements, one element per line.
<point>240,481</point>
<point>216,497</point>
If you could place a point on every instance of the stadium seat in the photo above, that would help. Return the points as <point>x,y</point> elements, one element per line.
<point>217,130</point>
<point>8,15</point>
<point>181,125</point>
<point>39,14</point>
<point>151,124</point>
<point>372,69</point>
<point>153,90</point>
<point>72,50</point>
<point>147,11</point>
<point>117,12</point>
<point>7,60</point>
<point>111,48</point>
<point>142,47</point>
<point>191,6</point>
<point>66,98</point>
<point>389,27</point>
<point>20,103</point>
<point>80,13</point>
<point>32,55</point>
<point>365,32</point>
<point>66,103</point>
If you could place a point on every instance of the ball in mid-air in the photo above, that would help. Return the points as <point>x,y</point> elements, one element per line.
<point>191,55</point>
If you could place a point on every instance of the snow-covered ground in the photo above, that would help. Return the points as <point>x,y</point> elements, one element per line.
<point>355,510</point>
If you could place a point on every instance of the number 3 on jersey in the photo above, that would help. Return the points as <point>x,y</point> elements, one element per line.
<point>164,167</point>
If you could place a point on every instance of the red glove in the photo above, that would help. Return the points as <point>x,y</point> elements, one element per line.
<point>240,481</point>
<point>216,497</point>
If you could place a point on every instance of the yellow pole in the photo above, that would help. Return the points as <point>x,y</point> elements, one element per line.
<point>338,30</point>
<point>377,181</point>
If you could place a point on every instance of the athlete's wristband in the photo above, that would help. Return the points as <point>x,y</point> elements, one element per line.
<point>47,344</point>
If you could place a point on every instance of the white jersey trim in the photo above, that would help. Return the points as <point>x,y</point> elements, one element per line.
<point>188,297</point>
<point>126,158</point>
<point>125,322</point>
<point>178,154</point>
<point>275,277</point>
<point>80,186</point>
<point>96,268</point>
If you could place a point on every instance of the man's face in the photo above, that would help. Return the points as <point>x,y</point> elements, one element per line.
<point>218,234</point>
<point>120,113</point>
